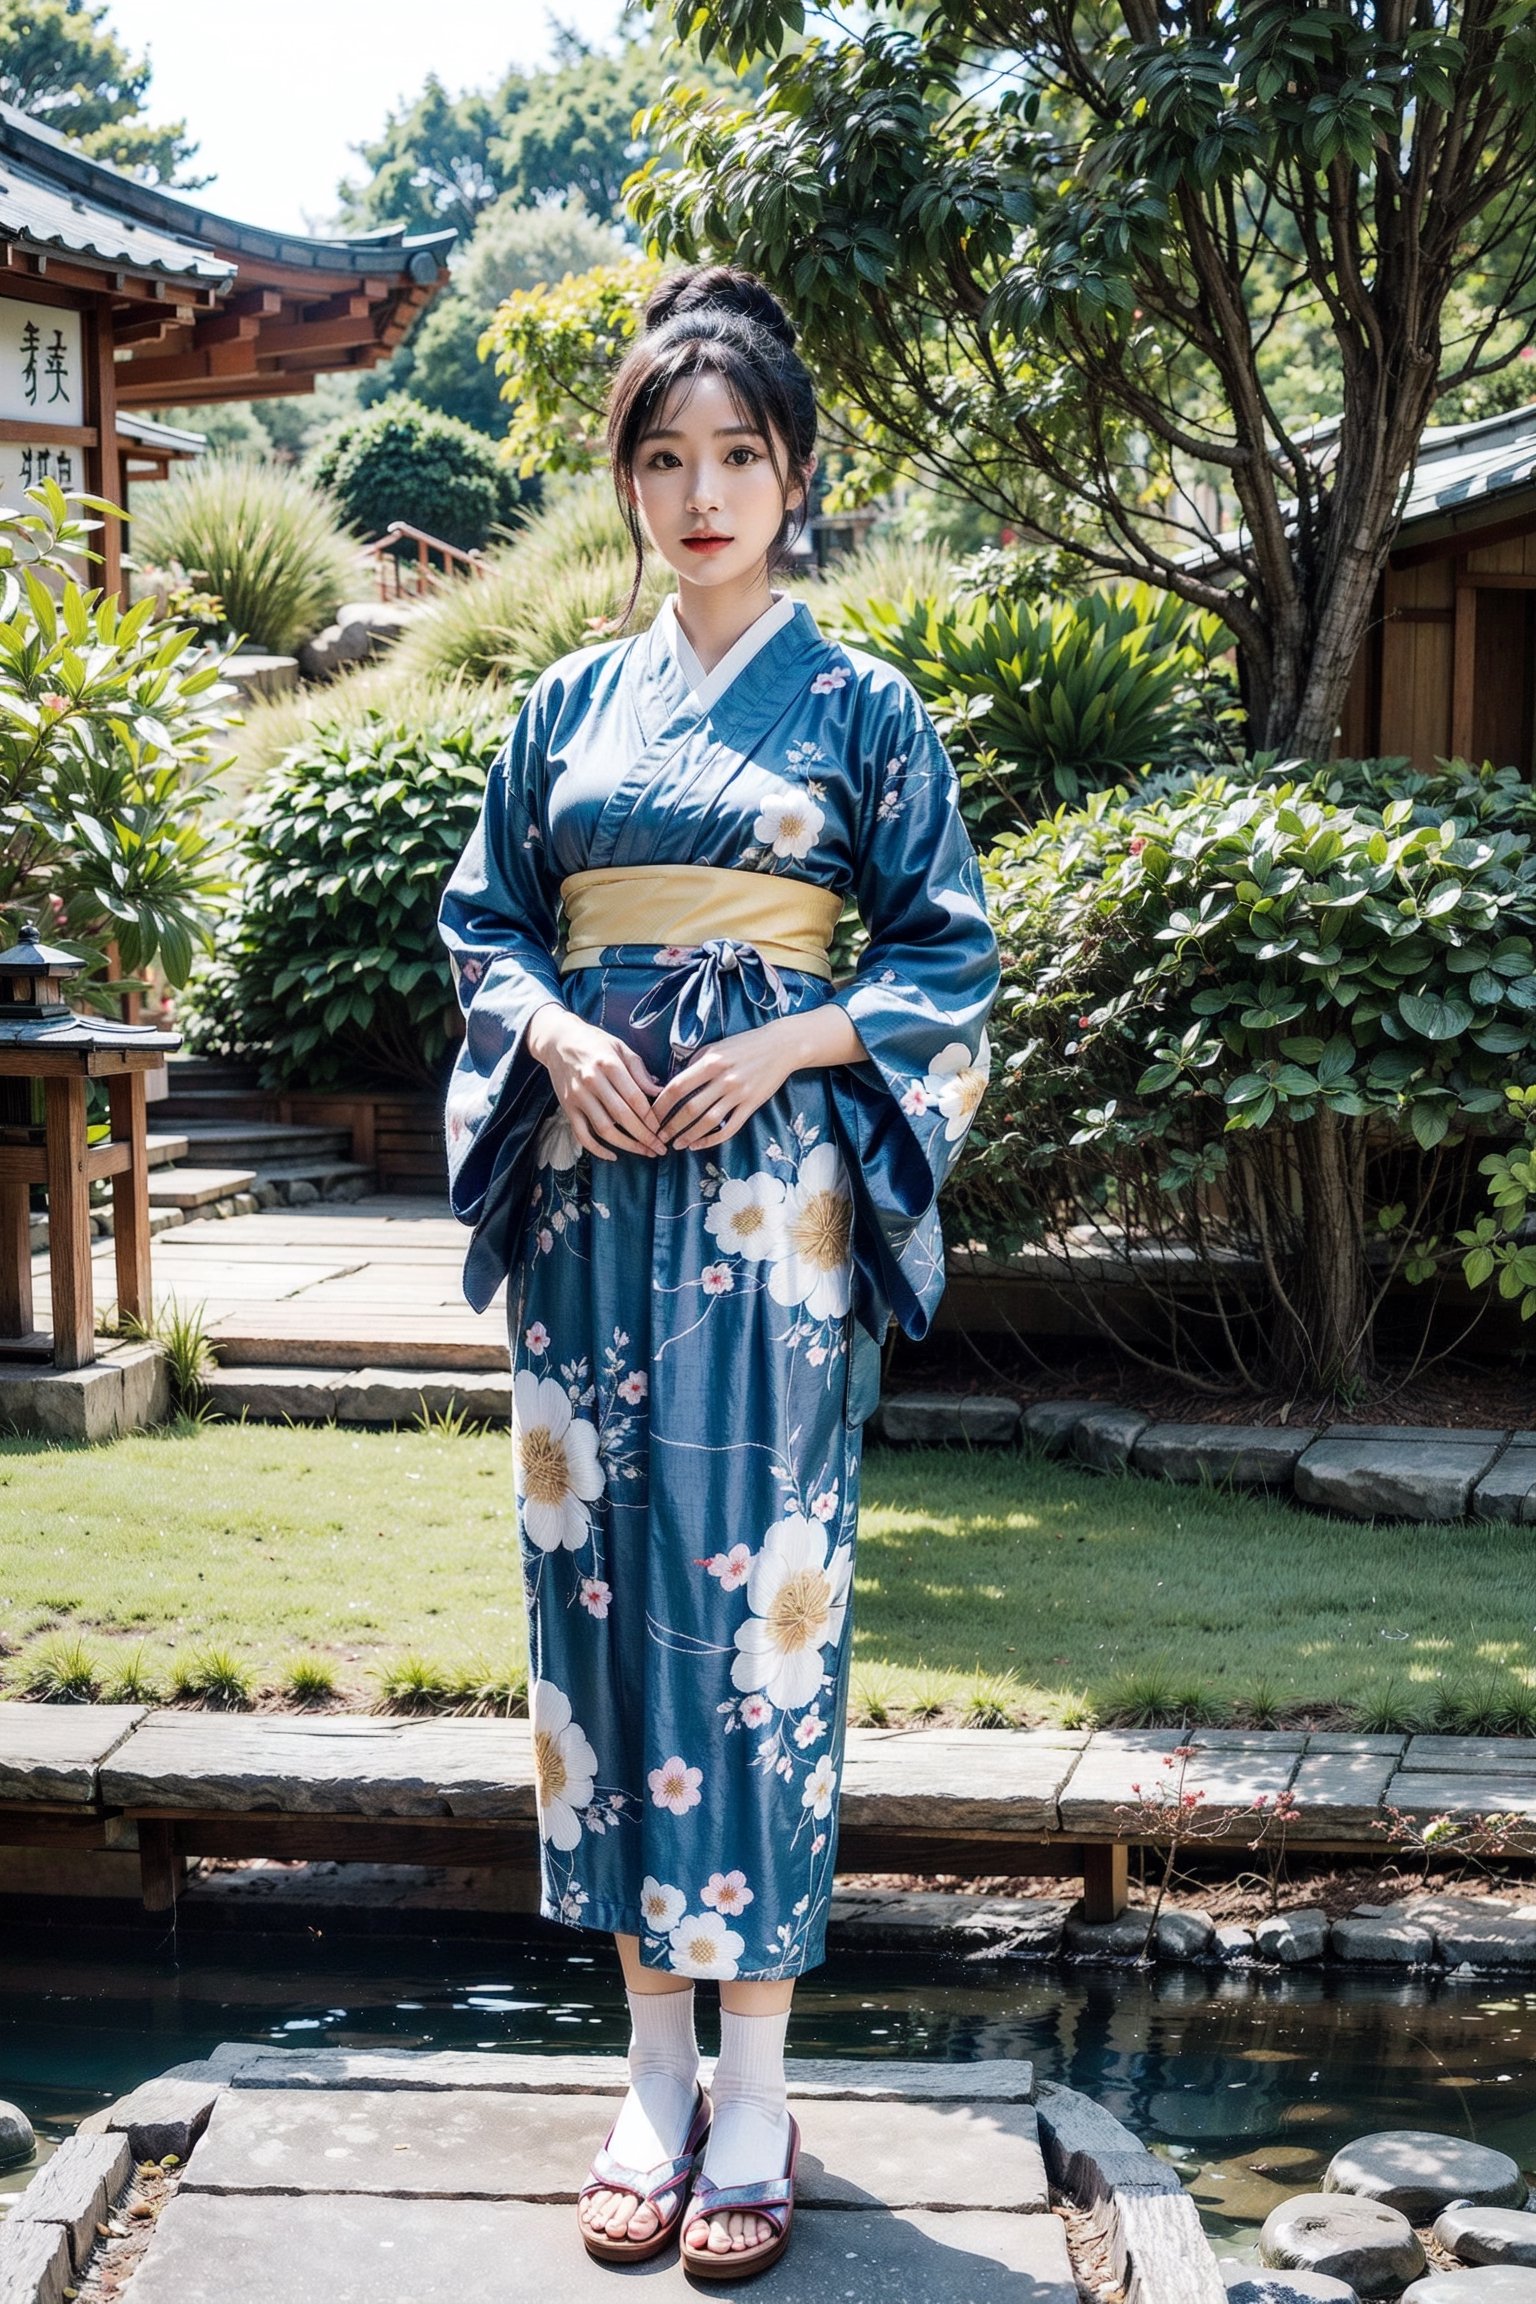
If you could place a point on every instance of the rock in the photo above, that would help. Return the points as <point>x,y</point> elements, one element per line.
<point>17,2141</point>
<point>1048,1424</point>
<point>302,1194</point>
<point>926,1419</point>
<point>245,1203</point>
<point>34,2263</point>
<point>1387,1943</point>
<point>1488,2284</point>
<point>267,1196</point>
<point>1419,2172</point>
<point>1232,1943</point>
<point>363,628</point>
<point>1361,2241</point>
<point>1104,1437</point>
<point>1509,1491</point>
<point>1245,2285</point>
<point>1239,1455</point>
<point>1488,2235</point>
<point>256,675</point>
<point>1184,1935</point>
<point>1416,1473</point>
<point>1295,1939</point>
<point>75,2189</point>
<point>1122,1939</point>
<point>1487,1940</point>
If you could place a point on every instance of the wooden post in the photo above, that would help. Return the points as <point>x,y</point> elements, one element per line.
<point>130,1197</point>
<point>101,411</point>
<point>69,1223</point>
<point>15,1261</point>
<point>162,1867</point>
<point>1463,665</point>
<point>1106,1881</point>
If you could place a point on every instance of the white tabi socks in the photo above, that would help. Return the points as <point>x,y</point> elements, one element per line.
<point>663,2079</point>
<point>750,2136</point>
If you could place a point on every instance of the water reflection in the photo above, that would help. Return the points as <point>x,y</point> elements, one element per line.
<point>1247,2084</point>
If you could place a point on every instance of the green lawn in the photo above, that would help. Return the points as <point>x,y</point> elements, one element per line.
<point>988,1585</point>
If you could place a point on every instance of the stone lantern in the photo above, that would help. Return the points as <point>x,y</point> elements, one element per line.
<point>43,1039</point>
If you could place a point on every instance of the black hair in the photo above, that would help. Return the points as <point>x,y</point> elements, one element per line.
<point>715,320</point>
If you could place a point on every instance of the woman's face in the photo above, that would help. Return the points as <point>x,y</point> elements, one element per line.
<point>708,493</point>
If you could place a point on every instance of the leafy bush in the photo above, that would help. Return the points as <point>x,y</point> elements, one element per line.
<point>1243,1030</point>
<point>1048,702</point>
<point>558,587</point>
<point>401,461</point>
<point>109,746</point>
<point>260,537</point>
<point>330,971</point>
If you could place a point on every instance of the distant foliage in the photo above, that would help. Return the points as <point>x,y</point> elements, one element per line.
<point>400,461</point>
<point>330,972</point>
<point>267,542</point>
<point>1046,701</point>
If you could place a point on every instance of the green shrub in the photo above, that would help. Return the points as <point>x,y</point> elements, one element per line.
<point>1046,703</point>
<point>330,970</point>
<point>261,537</point>
<point>110,741</point>
<point>559,586</point>
<point>1245,1031</point>
<point>403,461</point>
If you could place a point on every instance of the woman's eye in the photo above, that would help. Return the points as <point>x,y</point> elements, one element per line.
<point>747,455</point>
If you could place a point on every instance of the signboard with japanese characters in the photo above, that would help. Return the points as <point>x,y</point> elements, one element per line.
<point>24,462</point>
<point>41,376</point>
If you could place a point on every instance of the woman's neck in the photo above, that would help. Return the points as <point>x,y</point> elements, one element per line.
<point>714,616</point>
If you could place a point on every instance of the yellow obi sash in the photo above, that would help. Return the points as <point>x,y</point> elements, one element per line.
<point>789,921</point>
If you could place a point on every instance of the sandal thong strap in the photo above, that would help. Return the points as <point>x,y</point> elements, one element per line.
<point>647,2184</point>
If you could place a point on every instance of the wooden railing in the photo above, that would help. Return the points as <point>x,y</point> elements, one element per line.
<point>385,554</point>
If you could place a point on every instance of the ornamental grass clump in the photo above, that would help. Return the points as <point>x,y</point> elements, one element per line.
<point>272,546</point>
<point>329,969</point>
<point>1245,1040</point>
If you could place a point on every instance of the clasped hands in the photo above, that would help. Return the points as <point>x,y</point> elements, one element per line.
<point>614,1103</point>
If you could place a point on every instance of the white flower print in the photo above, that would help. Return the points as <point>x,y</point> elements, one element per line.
<point>798,1596</point>
<point>556,1471</point>
<point>702,1945</point>
<point>825,683</point>
<point>816,1354</point>
<point>813,1266</point>
<point>661,1908</point>
<point>546,1239</point>
<point>954,1081</point>
<point>824,1506</point>
<point>756,1711</point>
<point>819,1788</point>
<point>675,1786</point>
<point>789,822</point>
<point>727,1892</point>
<point>634,1387</point>
<point>564,1765</point>
<point>810,1728</point>
<point>595,1596</point>
<point>748,1216</point>
<point>717,1280</point>
<point>732,1568</point>
<point>557,1145</point>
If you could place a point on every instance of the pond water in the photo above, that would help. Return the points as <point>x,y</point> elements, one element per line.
<point>1247,2084</point>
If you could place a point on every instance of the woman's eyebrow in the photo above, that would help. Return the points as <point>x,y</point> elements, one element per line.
<point>722,432</point>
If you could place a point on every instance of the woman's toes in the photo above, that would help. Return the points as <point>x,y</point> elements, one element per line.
<point>643,2221</point>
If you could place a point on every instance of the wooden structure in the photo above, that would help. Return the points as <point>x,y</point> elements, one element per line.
<point>120,296</point>
<point>1449,665</point>
<point>42,1039</point>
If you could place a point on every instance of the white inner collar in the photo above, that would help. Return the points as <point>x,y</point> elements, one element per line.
<point>707,688</point>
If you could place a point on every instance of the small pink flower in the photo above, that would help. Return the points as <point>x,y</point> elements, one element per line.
<point>595,1596</point>
<point>784,1767</point>
<point>536,1336</point>
<point>825,682</point>
<point>1137,847</point>
<point>824,1505</point>
<point>717,1279</point>
<point>546,1239</point>
<point>54,702</point>
<point>809,1729</point>
<point>675,1786</point>
<point>671,953</point>
<point>756,1711</point>
<point>816,1353</point>
<point>634,1388</point>
<point>733,1567</point>
<point>818,1843</point>
<point>915,1099</point>
<point>727,1892</point>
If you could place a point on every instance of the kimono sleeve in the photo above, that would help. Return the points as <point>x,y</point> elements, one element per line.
<point>924,987</point>
<point>498,919</point>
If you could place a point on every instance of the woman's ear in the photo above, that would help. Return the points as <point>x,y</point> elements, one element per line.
<point>800,494</point>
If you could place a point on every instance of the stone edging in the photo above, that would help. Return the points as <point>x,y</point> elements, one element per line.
<point>1365,1471</point>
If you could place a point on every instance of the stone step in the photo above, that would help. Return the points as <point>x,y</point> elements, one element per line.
<point>380,1396</point>
<point>161,1147</point>
<point>210,1072</point>
<point>216,1105</point>
<point>188,1188</point>
<point>327,1176</point>
<point>264,1143</point>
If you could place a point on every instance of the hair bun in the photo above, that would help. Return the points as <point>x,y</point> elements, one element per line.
<point>719,288</point>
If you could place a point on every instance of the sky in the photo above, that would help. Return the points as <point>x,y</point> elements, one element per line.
<point>276,94</point>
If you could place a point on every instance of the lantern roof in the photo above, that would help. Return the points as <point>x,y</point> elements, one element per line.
<point>31,953</point>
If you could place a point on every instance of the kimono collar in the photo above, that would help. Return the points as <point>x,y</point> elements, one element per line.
<point>708,687</point>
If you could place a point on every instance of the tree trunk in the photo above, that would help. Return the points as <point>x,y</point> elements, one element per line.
<point>1332,1281</point>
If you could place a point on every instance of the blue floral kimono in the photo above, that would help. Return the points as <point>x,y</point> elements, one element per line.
<point>695,1337</point>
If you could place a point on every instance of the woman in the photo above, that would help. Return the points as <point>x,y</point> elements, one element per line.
<point>709,1176</point>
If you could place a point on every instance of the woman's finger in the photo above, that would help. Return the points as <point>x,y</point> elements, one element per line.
<point>618,1123</point>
